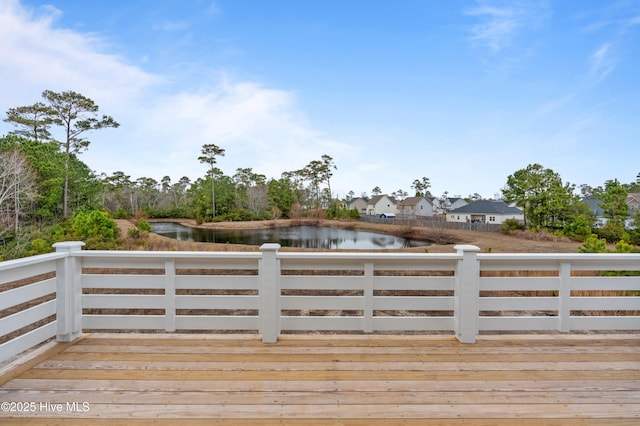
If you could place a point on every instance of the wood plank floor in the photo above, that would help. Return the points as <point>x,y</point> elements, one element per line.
<point>137,379</point>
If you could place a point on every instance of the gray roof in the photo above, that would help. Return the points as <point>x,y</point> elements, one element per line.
<point>594,205</point>
<point>412,201</point>
<point>377,198</point>
<point>487,207</point>
<point>355,200</point>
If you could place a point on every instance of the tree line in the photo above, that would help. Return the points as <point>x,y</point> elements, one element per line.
<point>47,193</point>
<point>549,204</point>
<point>44,185</point>
<point>34,199</point>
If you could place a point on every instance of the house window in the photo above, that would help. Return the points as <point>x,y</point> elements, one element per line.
<point>492,218</point>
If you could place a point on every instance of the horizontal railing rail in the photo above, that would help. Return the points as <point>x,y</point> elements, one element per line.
<point>170,290</point>
<point>572,292</point>
<point>367,292</point>
<point>270,292</point>
<point>28,304</point>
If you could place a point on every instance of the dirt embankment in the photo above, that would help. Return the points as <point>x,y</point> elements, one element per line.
<point>444,239</point>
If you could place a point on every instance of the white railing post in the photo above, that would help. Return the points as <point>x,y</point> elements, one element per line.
<point>170,295</point>
<point>69,292</point>
<point>467,294</point>
<point>564,297</point>
<point>368,298</point>
<point>269,292</point>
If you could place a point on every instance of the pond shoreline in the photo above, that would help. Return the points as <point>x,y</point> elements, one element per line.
<point>158,242</point>
<point>443,240</point>
<point>303,235</point>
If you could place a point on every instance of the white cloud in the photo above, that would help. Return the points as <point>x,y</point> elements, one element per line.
<point>496,31</point>
<point>501,21</point>
<point>51,12</point>
<point>257,126</point>
<point>601,63</point>
<point>162,131</point>
<point>38,57</point>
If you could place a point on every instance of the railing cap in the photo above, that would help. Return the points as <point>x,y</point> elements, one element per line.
<point>270,247</point>
<point>68,246</point>
<point>466,247</point>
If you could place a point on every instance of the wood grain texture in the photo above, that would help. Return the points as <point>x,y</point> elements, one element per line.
<point>154,379</point>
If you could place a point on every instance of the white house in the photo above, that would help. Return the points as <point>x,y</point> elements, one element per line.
<point>444,205</point>
<point>415,207</point>
<point>382,204</point>
<point>359,204</point>
<point>485,211</point>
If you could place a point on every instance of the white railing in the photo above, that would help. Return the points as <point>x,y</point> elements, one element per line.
<point>270,292</point>
<point>580,292</point>
<point>28,302</point>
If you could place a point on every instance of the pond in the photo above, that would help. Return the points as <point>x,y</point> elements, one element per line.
<point>296,236</point>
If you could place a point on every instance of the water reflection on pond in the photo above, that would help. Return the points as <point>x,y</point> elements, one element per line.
<point>295,236</point>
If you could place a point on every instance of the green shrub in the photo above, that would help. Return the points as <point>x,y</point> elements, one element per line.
<point>624,247</point>
<point>593,244</point>
<point>511,225</point>
<point>174,212</point>
<point>96,229</point>
<point>612,232</point>
<point>39,246</point>
<point>236,215</point>
<point>578,230</point>
<point>337,211</point>
<point>121,213</point>
<point>141,230</point>
<point>143,225</point>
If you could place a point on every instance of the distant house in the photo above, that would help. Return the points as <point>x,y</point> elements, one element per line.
<point>485,211</point>
<point>382,204</point>
<point>594,206</point>
<point>441,206</point>
<point>633,201</point>
<point>359,204</point>
<point>415,207</point>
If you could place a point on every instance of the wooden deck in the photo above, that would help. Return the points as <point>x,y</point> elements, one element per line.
<point>134,379</point>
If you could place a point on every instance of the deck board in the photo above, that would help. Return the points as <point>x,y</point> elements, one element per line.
<point>346,380</point>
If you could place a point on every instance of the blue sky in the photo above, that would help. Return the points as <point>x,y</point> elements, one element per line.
<point>464,92</point>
